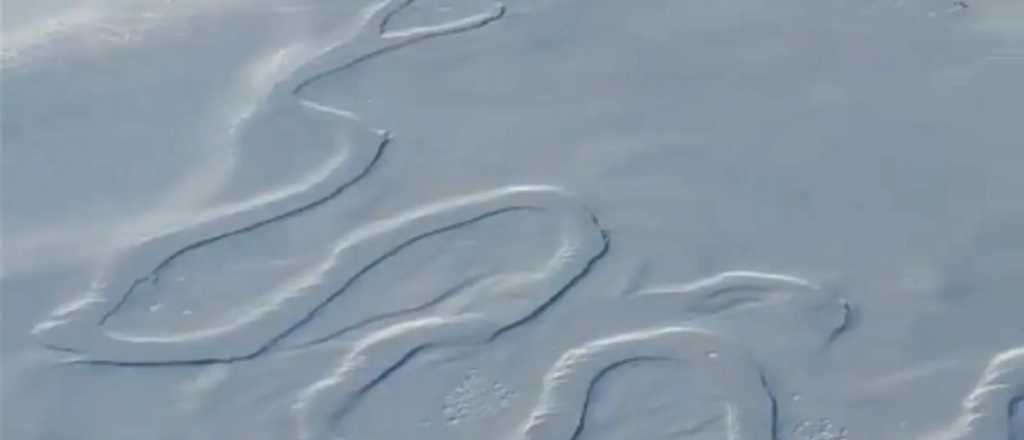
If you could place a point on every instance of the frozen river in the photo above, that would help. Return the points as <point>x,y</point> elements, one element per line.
<point>529,219</point>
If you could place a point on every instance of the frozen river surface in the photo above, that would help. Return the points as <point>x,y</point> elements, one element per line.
<point>529,219</point>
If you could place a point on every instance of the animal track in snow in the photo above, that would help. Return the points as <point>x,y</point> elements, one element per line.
<point>475,397</point>
<point>820,429</point>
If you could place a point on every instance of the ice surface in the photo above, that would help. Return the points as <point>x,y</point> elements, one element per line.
<point>534,219</point>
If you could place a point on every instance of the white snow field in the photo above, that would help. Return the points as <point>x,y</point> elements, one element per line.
<point>511,220</point>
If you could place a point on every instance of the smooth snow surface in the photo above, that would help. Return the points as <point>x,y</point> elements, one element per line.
<point>535,219</point>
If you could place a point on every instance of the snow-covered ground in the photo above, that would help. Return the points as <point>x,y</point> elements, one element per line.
<point>533,219</point>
